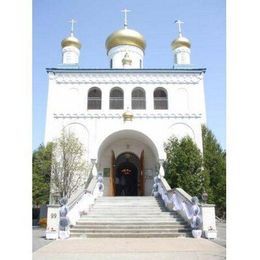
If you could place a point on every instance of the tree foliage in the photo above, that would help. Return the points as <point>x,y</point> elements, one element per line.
<point>69,166</point>
<point>41,160</point>
<point>184,166</point>
<point>214,161</point>
<point>188,169</point>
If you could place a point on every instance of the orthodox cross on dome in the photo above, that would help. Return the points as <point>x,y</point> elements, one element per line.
<point>125,11</point>
<point>178,22</point>
<point>72,21</point>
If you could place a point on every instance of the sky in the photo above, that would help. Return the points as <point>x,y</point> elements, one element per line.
<point>204,25</point>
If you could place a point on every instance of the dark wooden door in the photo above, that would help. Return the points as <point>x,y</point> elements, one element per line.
<point>112,173</point>
<point>142,173</point>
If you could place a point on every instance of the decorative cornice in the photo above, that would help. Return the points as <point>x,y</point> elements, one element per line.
<point>128,78</point>
<point>117,115</point>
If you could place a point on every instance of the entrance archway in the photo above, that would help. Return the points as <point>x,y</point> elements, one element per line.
<point>127,170</point>
<point>118,145</point>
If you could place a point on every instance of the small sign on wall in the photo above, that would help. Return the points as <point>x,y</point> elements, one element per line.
<point>106,172</point>
<point>148,173</point>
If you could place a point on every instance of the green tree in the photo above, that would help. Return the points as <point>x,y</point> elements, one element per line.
<point>41,160</point>
<point>183,166</point>
<point>214,161</point>
<point>69,167</point>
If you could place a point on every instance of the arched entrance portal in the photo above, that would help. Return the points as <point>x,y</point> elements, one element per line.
<point>128,149</point>
<point>127,171</point>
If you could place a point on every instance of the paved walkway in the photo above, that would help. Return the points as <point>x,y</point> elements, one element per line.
<point>39,238</point>
<point>131,248</point>
<point>221,237</point>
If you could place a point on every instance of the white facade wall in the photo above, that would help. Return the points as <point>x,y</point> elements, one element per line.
<point>105,130</point>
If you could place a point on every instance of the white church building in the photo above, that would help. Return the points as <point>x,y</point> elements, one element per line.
<point>125,113</point>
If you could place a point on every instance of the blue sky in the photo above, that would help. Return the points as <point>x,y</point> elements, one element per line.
<point>204,25</point>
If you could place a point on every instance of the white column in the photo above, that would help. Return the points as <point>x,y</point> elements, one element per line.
<point>149,98</point>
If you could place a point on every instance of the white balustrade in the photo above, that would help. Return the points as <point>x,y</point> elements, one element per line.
<point>80,203</point>
<point>200,216</point>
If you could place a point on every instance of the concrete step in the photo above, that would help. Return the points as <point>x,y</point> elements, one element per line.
<point>155,211</point>
<point>132,209</point>
<point>114,198</point>
<point>134,223</point>
<point>128,205</point>
<point>130,217</point>
<point>129,226</point>
<point>125,213</point>
<point>154,222</point>
<point>129,220</point>
<point>129,235</point>
<point>172,230</point>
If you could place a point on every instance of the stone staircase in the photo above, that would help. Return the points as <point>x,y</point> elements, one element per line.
<point>130,217</point>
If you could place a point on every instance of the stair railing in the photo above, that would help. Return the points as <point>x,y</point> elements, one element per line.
<point>198,215</point>
<point>86,199</point>
<point>79,203</point>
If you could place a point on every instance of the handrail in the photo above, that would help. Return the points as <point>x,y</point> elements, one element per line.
<point>73,200</point>
<point>177,199</point>
<point>86,199</point>
<point>90,176</point>
<point>71,210</point>
<point>79,193</point>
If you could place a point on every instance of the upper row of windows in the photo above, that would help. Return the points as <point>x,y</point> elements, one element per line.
<point>116,98</point>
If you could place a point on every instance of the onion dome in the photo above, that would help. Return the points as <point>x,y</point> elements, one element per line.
<point>181,42</point>
<point>125,36</point>
<point>71,41</point>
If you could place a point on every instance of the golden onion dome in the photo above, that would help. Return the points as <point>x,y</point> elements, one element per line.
<point>125,36</point>
<point>180,42</point>
<point>71,41</point>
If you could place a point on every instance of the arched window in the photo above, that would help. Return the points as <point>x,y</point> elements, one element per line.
<point>94,98</point>
<point>116,99</point>
<point>138,99</point>
<point>160,99</point>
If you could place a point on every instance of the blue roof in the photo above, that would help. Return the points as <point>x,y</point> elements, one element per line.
<point>179,69</point>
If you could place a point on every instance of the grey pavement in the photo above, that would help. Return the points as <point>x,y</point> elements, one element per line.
<point>129,248</point>
<point>221,238</point>
<point>39,238</point>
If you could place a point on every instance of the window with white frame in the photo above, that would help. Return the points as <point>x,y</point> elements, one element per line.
<point>116,100</point>
<point>94,98</point>
<point>160,98</point>
<point>138,99</point>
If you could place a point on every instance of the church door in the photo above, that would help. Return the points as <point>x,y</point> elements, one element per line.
<point>126,175</point>
<point>142,174</point>
<point>112,173</point>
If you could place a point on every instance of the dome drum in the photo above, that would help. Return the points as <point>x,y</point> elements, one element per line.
<point>117,55</point>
